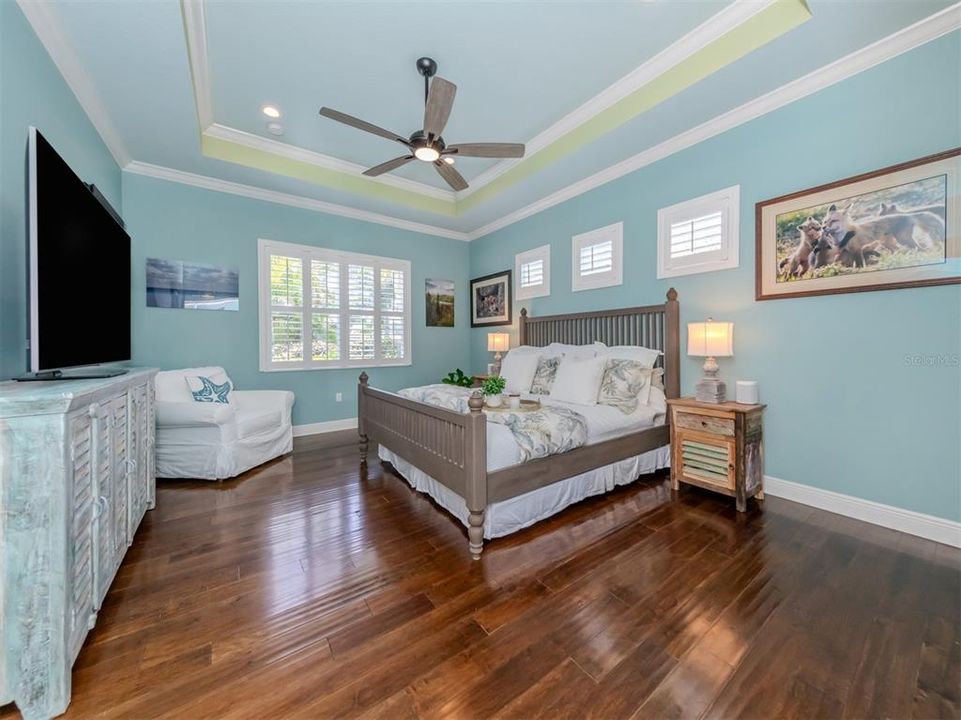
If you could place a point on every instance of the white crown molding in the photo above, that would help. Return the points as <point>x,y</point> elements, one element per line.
<point>53,39</point>
<point>716,26</point>
<point>195,30</point>
<point>319,428</point>
<point>934,528</point>
<point>298,201</point>
<point>293,152</point>
<point>909,38</point>
<point>711,29</point>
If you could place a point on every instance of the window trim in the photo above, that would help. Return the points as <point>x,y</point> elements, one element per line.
<point>542,253</point>
<point>728,203</point>
<point>615,276</point>
<point>266,248</point>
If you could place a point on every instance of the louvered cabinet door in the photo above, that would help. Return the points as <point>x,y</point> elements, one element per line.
<point>103,493</point>
<point>138,454</point>
<point>118,465</point>
<point>707,459</point>
<point>81,536</point>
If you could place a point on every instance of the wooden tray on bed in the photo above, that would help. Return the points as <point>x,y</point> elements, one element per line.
<point>526,406</point>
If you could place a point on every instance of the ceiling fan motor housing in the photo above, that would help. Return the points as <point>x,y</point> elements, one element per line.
<point>426,67</point>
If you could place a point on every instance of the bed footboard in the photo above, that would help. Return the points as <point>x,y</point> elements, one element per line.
<point>449,446</point>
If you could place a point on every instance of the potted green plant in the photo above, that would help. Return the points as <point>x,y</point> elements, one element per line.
<point>492,389</point>
<point>458,378</point>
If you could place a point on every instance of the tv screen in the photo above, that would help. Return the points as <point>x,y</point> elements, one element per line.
<point>79,269</point>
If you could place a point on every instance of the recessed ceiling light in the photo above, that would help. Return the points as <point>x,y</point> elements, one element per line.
<point>270,111</point>
<point>449,159</point>
<point>275,128</point>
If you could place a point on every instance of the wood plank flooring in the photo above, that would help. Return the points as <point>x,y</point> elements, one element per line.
<point>305,590</point>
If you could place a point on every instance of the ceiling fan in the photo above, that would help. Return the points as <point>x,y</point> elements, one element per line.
<point>427,144</point>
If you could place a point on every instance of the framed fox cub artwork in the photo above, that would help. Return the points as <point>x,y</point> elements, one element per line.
<point>898,227</point>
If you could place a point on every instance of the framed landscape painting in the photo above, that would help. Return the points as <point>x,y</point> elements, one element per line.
<point>192,286</point>
<point>894,228</point>
<point>490,300</point>
<point>440,302</point>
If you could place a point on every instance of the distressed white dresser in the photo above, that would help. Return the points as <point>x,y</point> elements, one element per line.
<point>76,477</point>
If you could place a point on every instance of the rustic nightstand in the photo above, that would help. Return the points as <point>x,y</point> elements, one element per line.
<point>718,446</point>
<point>479,380</point>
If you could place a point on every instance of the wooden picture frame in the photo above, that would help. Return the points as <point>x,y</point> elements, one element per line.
<point>898,227</point>
<point>490,300</point>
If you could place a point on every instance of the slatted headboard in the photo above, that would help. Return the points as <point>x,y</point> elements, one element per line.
<point>653,326</point>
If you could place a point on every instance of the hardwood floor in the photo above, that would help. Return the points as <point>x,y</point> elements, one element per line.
<point>305,590</point>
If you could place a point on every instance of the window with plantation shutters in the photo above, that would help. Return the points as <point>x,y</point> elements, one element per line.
<point>699,235</point>
<point>532,273</point>
<point>597,258</point>
<point>331,309</point>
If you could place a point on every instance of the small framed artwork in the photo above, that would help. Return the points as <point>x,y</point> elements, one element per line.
<point>439,295</point>
<point>490,300</point>
<point>898,227</point>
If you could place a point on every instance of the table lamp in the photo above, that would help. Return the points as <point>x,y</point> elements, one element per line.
<point>497,343</point>
<point>710,340</point>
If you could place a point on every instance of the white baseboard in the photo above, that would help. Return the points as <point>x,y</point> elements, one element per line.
<point>934,528</point>
<point>325,427</point>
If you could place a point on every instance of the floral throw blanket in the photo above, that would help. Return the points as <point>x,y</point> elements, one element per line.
<point>548,431</point>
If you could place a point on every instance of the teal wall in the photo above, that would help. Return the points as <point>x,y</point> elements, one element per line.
<point>180,222</point>
<point>846,410</point>
<point>32,92</point>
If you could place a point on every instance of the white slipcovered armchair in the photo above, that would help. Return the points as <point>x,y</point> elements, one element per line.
<point>214,441</point>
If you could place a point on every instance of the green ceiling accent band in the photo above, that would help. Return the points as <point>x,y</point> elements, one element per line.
<point>773,21</point>
<point>358,184</point>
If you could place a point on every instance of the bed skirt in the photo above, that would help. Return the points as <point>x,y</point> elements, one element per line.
<point>516,513</point>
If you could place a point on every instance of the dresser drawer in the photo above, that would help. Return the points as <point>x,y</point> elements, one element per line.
<point>704,423</point>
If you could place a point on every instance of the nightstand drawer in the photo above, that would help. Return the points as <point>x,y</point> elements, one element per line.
<point>704,423</point>
<point>706,461</point>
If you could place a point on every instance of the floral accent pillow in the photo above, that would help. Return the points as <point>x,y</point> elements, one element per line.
<point>544,375</point>
<point>623,381</point>
<point>205,389</point>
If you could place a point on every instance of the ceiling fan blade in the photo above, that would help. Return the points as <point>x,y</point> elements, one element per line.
<point>487,150</point>
<point>440,100</point>
<point>388,166</point>
<point>453,178</point>
<point>360,124</point>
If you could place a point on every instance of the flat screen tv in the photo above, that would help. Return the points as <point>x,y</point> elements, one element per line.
<point>79,273</point>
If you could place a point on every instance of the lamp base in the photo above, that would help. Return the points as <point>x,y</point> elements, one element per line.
<point>496,366</point>
<point>709,389</point>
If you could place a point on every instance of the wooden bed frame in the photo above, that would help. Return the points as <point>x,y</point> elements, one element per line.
<point>451,447</point>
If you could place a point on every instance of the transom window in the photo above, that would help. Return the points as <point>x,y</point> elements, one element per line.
<point>597,259</point>
<point>532,268</point>
<point>324,308</point>
<point>699,235</point>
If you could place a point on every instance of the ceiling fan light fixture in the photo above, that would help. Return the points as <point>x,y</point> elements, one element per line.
<point>426,153</point>
<point>270,111</point>
<point>449,159</point>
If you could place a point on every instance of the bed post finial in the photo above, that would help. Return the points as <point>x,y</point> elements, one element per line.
<point>363,378</point>
<point>524,312</point>
<point>672,295</point>
<point>476,401</point>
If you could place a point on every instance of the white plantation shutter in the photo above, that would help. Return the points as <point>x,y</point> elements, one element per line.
<point>324,308</point>
<point>532,273</point>
<point>699,235</point>
<point>597,258</point>
<point>532,269</point>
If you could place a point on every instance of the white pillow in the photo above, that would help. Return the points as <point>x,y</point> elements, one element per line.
<point>645,356</point>
<point>214,387</point>
<point>574,351</point>
<point>578,380</point>
<point>518,369</point>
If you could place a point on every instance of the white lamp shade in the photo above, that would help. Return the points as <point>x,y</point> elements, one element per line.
<point>710,339</point>
<point>498,342</point>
